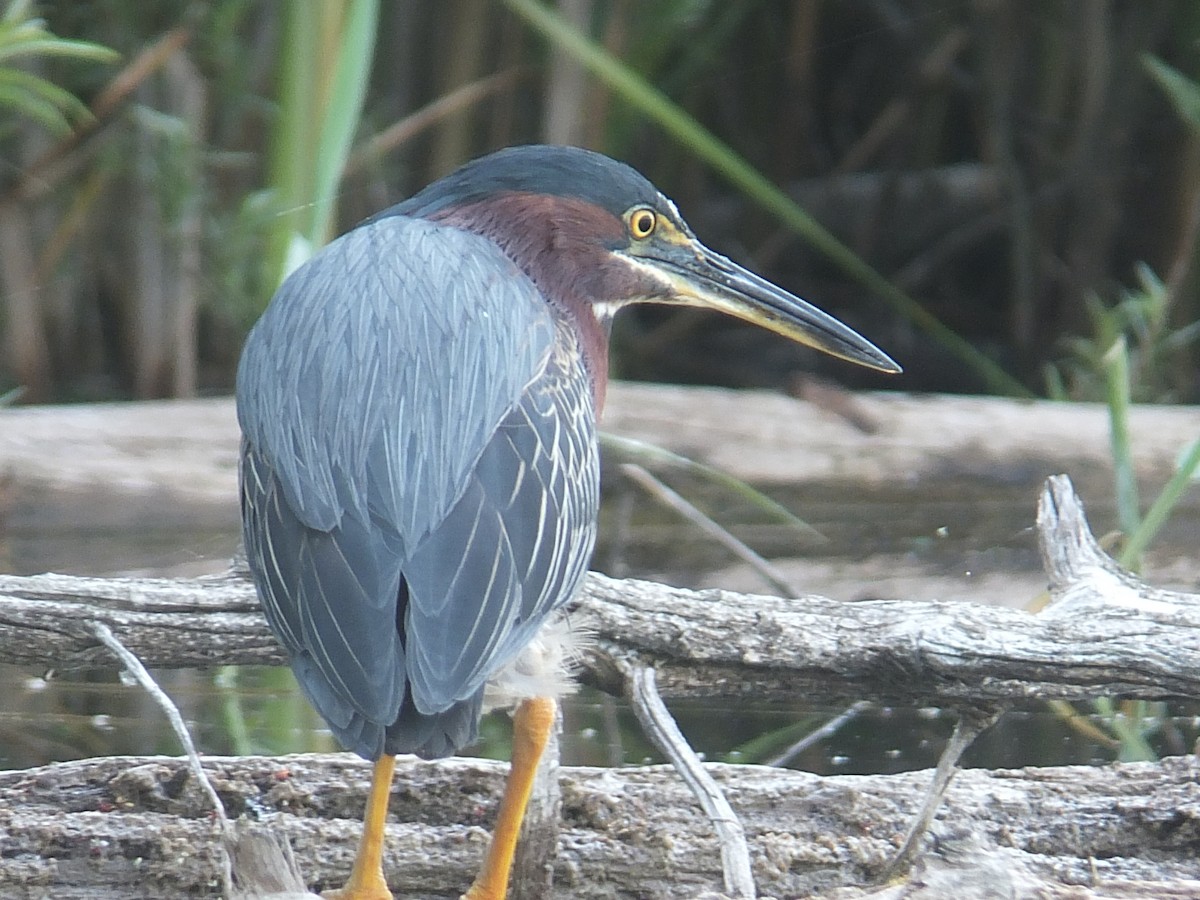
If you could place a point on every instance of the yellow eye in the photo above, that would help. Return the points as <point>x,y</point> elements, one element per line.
<point>642,223</point>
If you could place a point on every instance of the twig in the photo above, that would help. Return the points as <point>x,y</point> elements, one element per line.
<point>446,105</point>
<point>1083,578</point>
<point>814,737</point>
<point>134,667</point>
<point>660,727</point>
<point>672,499</point>
<point>255,862</point>
<point>971,723</point>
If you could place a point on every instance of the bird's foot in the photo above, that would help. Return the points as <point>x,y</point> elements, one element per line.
<point>476,892</point>
<point>362,889</point>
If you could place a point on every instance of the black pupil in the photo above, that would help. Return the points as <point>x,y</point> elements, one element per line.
<point>643,223</point>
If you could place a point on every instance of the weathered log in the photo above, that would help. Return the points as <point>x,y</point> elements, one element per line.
<point>175,462</point>
<point>703,643</point>
<point>137,827</point>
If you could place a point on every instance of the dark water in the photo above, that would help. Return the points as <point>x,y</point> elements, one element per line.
<point>961,540</point>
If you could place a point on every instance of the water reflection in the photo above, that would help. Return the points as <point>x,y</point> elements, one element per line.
<point>258,711</point>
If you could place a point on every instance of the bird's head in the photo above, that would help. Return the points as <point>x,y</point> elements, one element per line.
<point>591,230</point>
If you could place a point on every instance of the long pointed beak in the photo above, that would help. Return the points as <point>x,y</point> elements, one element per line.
<point>700,277</point>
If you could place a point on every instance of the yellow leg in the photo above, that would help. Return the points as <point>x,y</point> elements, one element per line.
<point>532,725</point>
<point>366,879</point>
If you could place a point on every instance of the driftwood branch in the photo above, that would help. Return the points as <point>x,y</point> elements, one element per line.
<point>971,723</point>
<point>1104,634</point>
<point>703,643</point>
<point>136,827</point>
<point>660,727</point>
<point>176,461</point>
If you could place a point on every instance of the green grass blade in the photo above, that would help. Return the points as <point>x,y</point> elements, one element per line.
<point>761,747</point>
<point>35,107</point>
<point>225,682</point>
<point>1183,93</point>
<point>653,454</point>
<point>1160,510</point>
<point>45,45</point>
<point>22,35</point>
<point>292,141</point>
<point>1133,746</point>
<point>324,67</point>
<point>17,82</point>
<point>342,113</point>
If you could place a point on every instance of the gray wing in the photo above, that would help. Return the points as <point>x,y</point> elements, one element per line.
<point>403,418</point>
<point>381,367</point>
<point>516,544</point>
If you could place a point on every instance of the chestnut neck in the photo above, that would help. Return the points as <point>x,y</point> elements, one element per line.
<point>560,243</point>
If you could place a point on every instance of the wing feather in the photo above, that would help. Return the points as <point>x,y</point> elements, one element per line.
<point>522,534</point>
<point>355,382</point>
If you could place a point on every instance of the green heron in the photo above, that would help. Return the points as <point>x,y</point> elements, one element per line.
<point>419,468</point>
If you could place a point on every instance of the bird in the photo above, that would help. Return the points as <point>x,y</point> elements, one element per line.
<point>419,470</point>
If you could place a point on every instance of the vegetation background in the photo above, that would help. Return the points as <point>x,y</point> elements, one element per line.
<point>1027,173</point>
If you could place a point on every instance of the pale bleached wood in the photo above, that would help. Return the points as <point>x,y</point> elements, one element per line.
<point>124,827</point>
<point>176,461</point>
<point>703,644</point>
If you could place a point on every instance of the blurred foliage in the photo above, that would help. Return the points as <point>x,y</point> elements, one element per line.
<point>1006,165</point>
<point>1137,326</point>
<point>1134,355</point>
<point>642,96</point>
<point>1011,166</point>
<point>24,40</point>
<point>1183,92</point>
<point>325,61</point>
